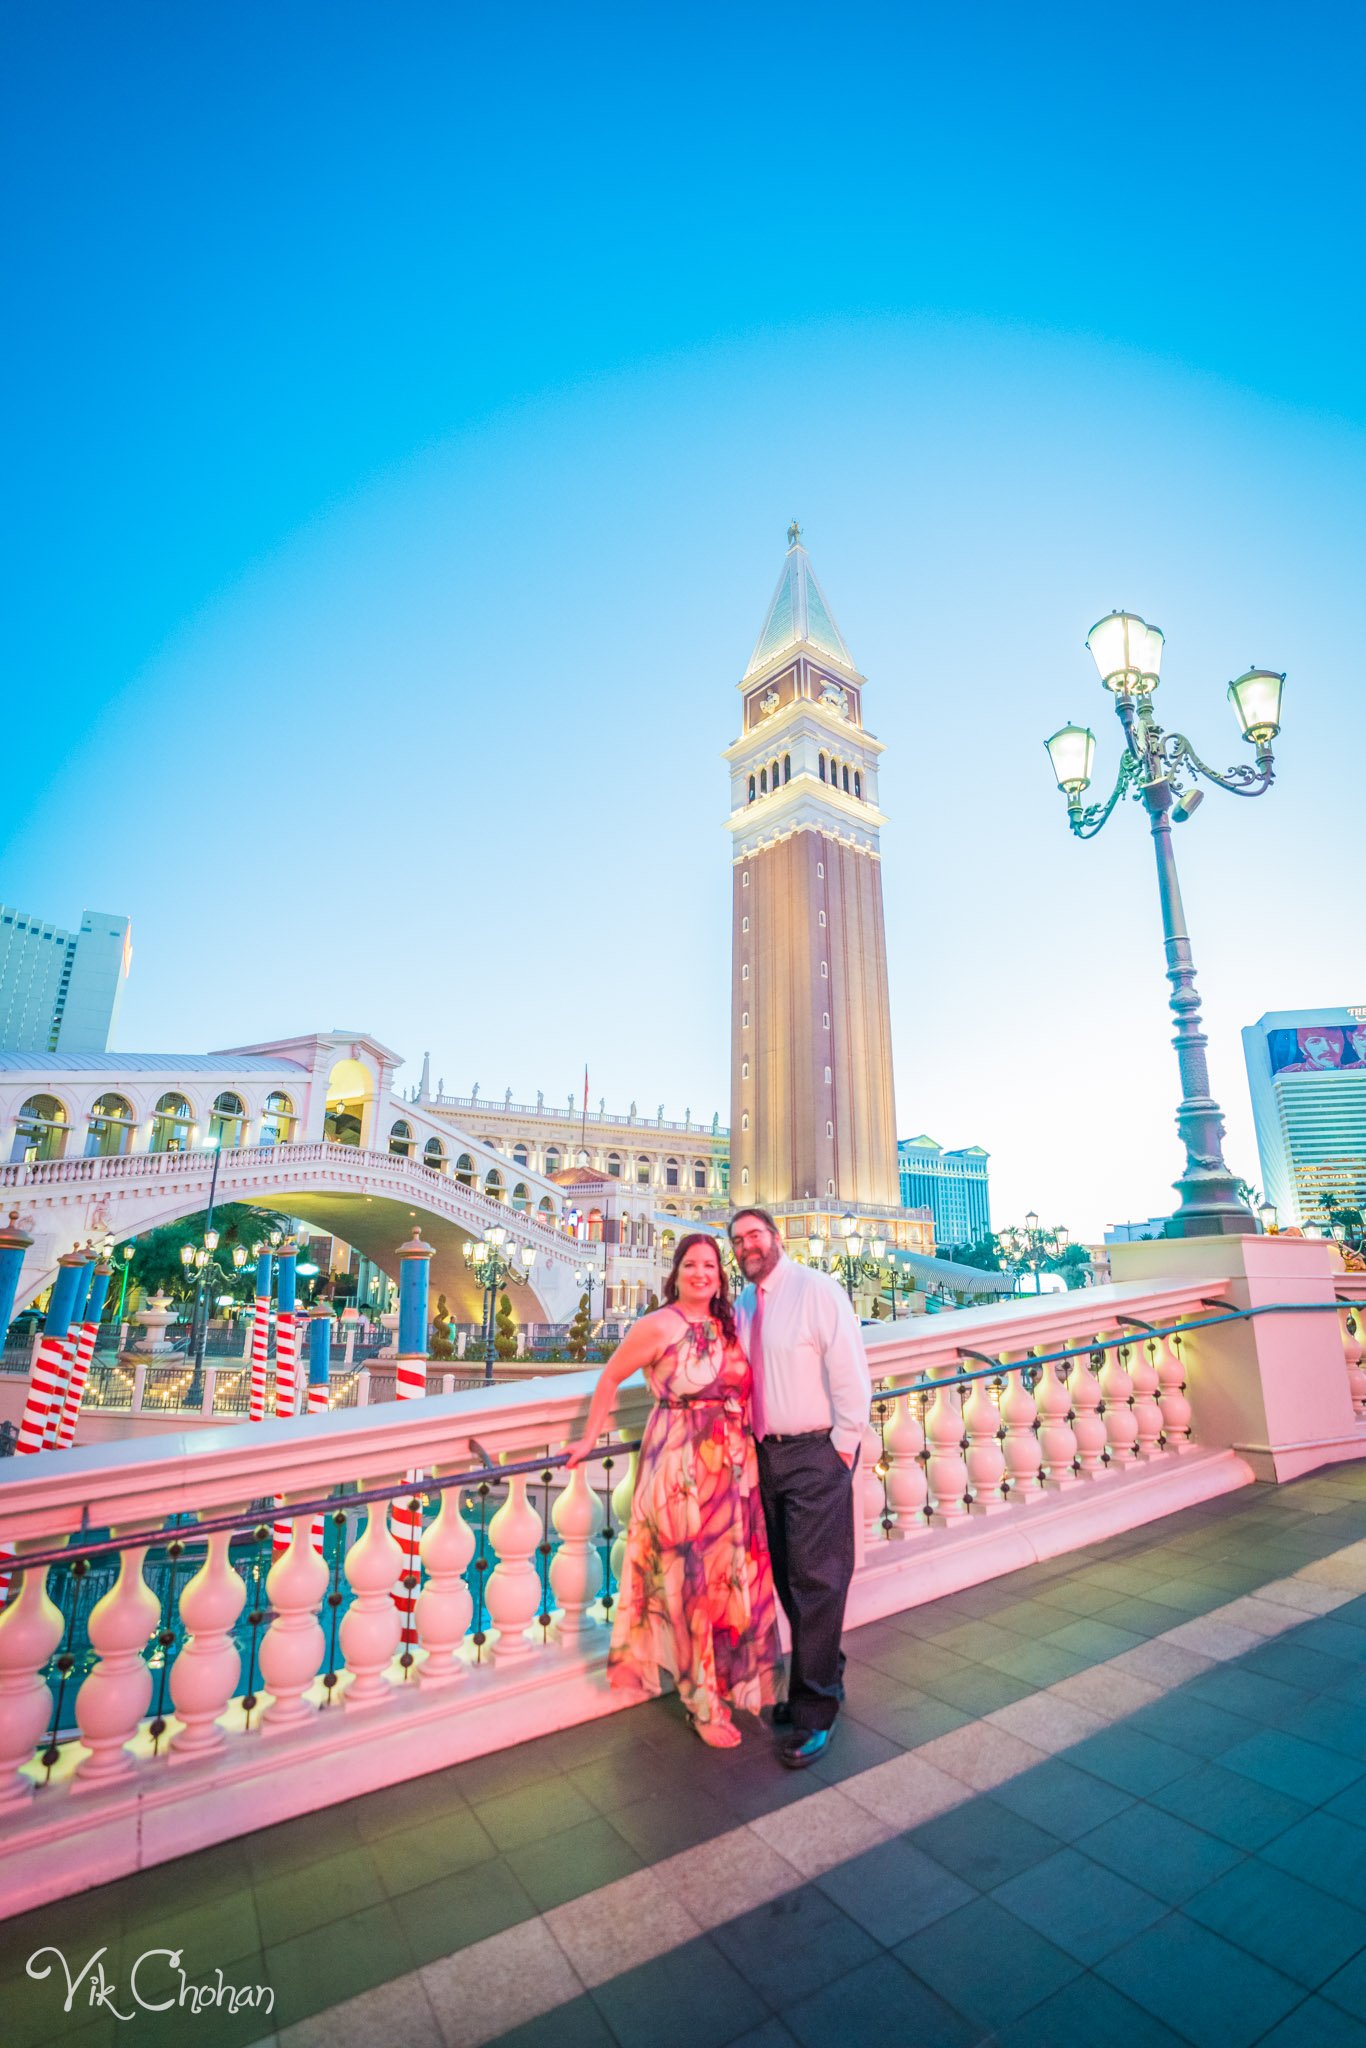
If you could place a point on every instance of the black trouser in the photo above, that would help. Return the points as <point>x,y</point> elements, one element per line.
<point>808,1496</point>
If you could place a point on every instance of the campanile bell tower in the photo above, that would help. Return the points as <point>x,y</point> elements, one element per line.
<point>812,1112</point>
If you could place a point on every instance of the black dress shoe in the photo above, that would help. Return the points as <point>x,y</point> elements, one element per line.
<point>805,1747</point>
<point>782,1713</point>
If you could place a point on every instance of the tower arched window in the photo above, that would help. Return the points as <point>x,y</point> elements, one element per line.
<point>752,789</point>
<point>844,777</point>
<point>825,1021</point>
<point>744,1020</point>
<point>744,1070</point>
<point>858,785</point>
<point>829,1130</point>
<point>820,764</point>
<point>773,776</point>
<point>744,1179</point>
<point>787,767</point>
<point>820,870</point>
<point>744,879</point>
<point>744,971</point>
<point>763,782</point>
<point>820,917</point>
<point>744,924</point>
<point>825,970</point>
<point>827,1077</point>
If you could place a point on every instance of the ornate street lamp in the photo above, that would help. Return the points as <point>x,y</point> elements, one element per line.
<point>1029,1249</point>
<point>848,1262</point>
<point>491,1266</point>
<point>1161,771</point>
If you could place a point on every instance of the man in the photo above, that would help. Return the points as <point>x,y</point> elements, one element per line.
<point>810,1408</point>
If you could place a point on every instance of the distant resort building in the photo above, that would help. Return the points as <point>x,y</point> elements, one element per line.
<point>1306,1072</point>
<point>951,1185</point>
<point>60,990</point>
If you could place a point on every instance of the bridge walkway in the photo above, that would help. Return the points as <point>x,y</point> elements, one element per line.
<point>1118,1796</point>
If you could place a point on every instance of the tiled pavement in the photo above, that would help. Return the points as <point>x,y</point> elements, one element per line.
<point>1118,1797</point>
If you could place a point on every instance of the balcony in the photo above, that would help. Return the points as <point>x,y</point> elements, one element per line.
<point>1076,1761</point>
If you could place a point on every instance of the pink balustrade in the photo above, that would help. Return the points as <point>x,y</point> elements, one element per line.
<point>996,1436</point>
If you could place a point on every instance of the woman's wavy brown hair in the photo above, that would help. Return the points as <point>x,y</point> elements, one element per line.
<point>721,1306</point>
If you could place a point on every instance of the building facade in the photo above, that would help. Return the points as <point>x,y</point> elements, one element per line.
<point>951,1185</point>
<point>812,1114</point>
<point>1306,1072</point>
<point>60,990</point>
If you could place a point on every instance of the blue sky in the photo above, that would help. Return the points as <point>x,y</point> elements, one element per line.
<point>406,408</point>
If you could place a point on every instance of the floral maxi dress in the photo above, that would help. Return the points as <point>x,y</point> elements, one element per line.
<point>696,1596</point>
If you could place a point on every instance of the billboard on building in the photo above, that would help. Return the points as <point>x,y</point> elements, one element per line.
<point>1319,1048</point>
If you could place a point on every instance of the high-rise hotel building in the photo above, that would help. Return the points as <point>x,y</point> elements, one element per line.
<point>1306,1070</point>
<point>60,990</point>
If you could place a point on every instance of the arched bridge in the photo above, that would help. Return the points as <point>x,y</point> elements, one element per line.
<point>369,1199</point>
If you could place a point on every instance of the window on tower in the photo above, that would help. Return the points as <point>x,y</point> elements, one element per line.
<point>829,1130</point>
<point>820,870</point>
<point>773,776</point>
<point>787,767</point>
<point>858,784</point>
<point>753,790</point>
<point>763,782</point>
<point>825,1021</point>
<point>744,1020</point>
<point>744,971</point>
<point>820,914</point>
<point>744,879</point>
<point>844,776</point>
<point>827,1077</point>
<point>820,763</point>
<point>744,1120</point>
<point>744,1070</point>
<point>825,970</point>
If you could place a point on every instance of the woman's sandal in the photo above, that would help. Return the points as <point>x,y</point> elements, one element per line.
<point>718,1734</point>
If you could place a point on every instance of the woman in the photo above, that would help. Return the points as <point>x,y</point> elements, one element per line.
<point>696,1594</point>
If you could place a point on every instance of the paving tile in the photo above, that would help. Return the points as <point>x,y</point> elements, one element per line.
<point>1235,1809</point>
<point>1243,1691</point>
<point>1292,1926</point>
<point>1316,2024</point>
<point>1047,1722</point>
<point>1042,1663</point>
<point>464,1907</point>
<point>1335,1636</point>
<point>1324,1851</point>
<point>982,1756</point>
<point>911,1726</point>
<point>1162,1663</point>
<point>576,1860</point>
<point>299,1899</point>
<point>706,1999</point>
<point>498,1984</point>
<point>397,2011</point>
<point>335,1962</point>
<point>414,1856</point>
<point>878,2003</point>
<point>907,1790</point>
<point>976,1640</point>
<point>1347,1989</point>
<point>1275,1757</point>
<point>819,1832</point>
<point>1261,1616</point>
<point>1141,1617</point>
<point>1033,1619</point>
<point>1209,1636</point>
<point>306,1842</point>
<point>984,1842</point>
<point>1162,1854</point>
<point>977,1690</point>
<point>1304,1596</point>
<point>1136,1763</point>
<point>721,1879</point>
<point>1192,1724</point>
<point>416,1802</point>
<point>512,1819</point>
<point>1199,1984</point>
<point>1290,1662</point>
<point>856,1747</point>
<point>576,2025</point>
<point>1351,1685</point>
<point>952,1958</point>
<point>770,2033</point>
<point>1064,1801</point>
<point>1096,1639</point>
<point>1107,1692</point>
<point>794,1944</point>
<point>663,1825</point>
<point>1079,1596</point>
<point>1088,2013</point>
<point>634,1921</point>
<point>1080,1906</point>
<point>1332,1722</point>
<point>894,1890</point>
<point>624,1776</point>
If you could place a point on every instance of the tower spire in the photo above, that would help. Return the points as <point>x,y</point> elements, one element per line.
<point>798,615</point>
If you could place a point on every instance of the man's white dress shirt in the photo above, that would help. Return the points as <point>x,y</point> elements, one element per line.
<point>814,1374</point>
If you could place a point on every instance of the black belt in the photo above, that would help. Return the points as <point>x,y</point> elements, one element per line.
<point>800,1436</point>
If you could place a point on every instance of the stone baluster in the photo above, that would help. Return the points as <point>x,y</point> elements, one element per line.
<point>1088,1424</point>
<point>1352,1351</point>
<point>907,1486</point>
<point>622,1495</point>
<point>947,1470</point>
<point>1022,1450</point>
<point>31,1627</point>
<point>1117,1386</point>
<point>1171,1377</point>
<point>445,1607</point>
<point>576,1574</point>
<point>513,1593</point>
<point>986,1460</point>
<point>118,1691</point>
<point>872,1472</point>
<point>293,1647</point>
<point>1057,1439</point>
<point>205,1674</point>
<point>372,1626</point>
<point>1147,1414</point>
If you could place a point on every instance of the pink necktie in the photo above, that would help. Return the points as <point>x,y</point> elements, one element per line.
<point>756,1367</point>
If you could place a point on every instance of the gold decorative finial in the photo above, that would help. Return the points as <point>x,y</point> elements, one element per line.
<point>794,534</point>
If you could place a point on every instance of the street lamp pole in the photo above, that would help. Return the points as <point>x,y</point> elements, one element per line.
<point>491,1266</point>
<point>1128,654</point>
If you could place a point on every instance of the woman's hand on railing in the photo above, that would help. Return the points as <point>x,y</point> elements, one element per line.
<point>577,1452</point>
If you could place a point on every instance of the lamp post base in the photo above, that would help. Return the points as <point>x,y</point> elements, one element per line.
<point>1225,1223</point>
<point>1210,1208</point>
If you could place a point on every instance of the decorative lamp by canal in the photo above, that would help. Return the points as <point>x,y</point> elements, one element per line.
<point>527,1254</point>
<point>1072,750</point>
<point>211,1240</point>
<point>815,1249</point>
<point>187,1255</point>
<point>848,1223</point>
<point>467,1249</point>
<point>1338,1230</point>
<point>1060,1237</point>
<point>877,1247</point>
<point>130,1251</point>
<point>1267,1214</point>
<point>240,1256</point>
<point>1031,1220</point>
<point>201,1257</point>
<point>855,1243</point>
<point>277,1236</point>
<point>495,1235</point>
<point>1256,697</point>
<point>1128,653</point>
